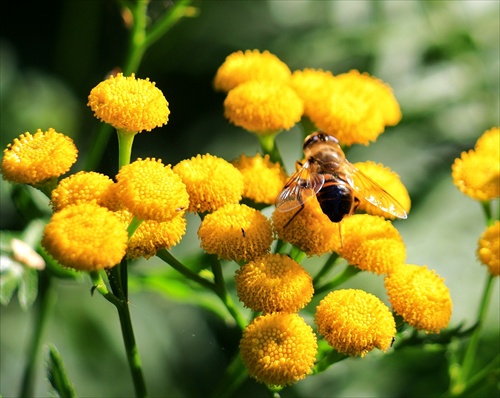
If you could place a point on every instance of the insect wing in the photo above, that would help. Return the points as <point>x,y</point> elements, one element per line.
<point>301,186</point>
<point>372,192</point>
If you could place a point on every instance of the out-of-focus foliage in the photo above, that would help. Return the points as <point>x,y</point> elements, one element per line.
<point>442,60</point>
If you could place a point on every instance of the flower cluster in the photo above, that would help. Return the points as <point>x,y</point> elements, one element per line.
<point>477,174</point>
<point>263,97</point>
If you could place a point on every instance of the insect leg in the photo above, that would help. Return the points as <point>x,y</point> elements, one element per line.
<point>291,218</point>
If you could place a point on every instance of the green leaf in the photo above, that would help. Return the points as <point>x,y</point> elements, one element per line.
<point>28,288</point>
<point>10,277</point>
<point>57,376</point>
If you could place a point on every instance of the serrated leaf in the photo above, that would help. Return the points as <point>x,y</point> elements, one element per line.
<point>57,375</point>
<point>28,288</point>
<point>10,278</point>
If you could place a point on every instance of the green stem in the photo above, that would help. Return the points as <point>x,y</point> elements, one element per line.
<point>178,10</point>
<point>47,298</point>
<point>330,262</point>
<point>224,295</point>
<point>132,352</point>
<point>328,360</point>
<point>297,254</point>
<point>125,142</point>
<point>340,278</point>
<point>236,374</point>
<point>268,145</point>
<point>166,256</point>
<point>460,383</point>
<point>137,38</point>
<point>133,357</point>
<point>100,138</point>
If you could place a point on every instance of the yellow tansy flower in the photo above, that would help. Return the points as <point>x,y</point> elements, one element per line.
<point>310,229</point>
<point>389,181</point>
<point>488,249</point>
<point>263,179</point>
<point>420,296</point>
<point>236,232</point>
<point>152,236</point>
<point>350,117</point>
<point>312,85</point>
<point>151,190</point>
<point>274,283</point>
<point>210,181</point>
<point>477,172</point>
<point>82,187</point>
<point>129,104</point>
<point>371,243</point>
<point>240,67</point>
<point>278,349</point>
<point>381,93</point>
<point>85,237</point>
<point>355,322</point>
<point>32,159</point>
<point>489,142</point>
<point>263,107</point>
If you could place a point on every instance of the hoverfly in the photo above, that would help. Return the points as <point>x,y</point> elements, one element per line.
<point>336,183</point>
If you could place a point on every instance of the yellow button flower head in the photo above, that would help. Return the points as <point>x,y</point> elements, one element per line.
<point>240,67</point>
<point>489,142</point>
<point>380,92</point>
<point>32,159</point>
<point>278,349</point>
<point>477,172</point>
<point>236,232</point>
<point>129,104</point>
<point>350,117</point>
<point>420,296</point>
<point>312,85</point>
<point>263,179</point>
<point>355,322</point>
<point>389,181</point>
<point>310,230</point>
<point>85,237</point>
<point>488,249</point>
<point>274,283</point>
<point>152,236</point>
<point>151,190</point>
<point>371,244</point>
<point>210,181</point>
<point>82,187</point>
<point>263,107</point>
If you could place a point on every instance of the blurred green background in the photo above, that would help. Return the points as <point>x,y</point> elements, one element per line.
<point>441,59</point>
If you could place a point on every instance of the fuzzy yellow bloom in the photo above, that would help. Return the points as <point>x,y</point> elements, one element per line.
<point>240,67</point>
<point>381,93</point>
<point>129,104</point>
<point>477,172</point>
<point>274,283</point>
<point>263,179</point>
<point>152,236</point>
<point>151,190</point>
<point>82,187</point>
<point>312,85</point>
<point>263,107</point>
<point>85,237</point>
<point>488,250</point>
<point>371,244</point>
<point>489,142</point>
<point>211,182</point>
<point>310,229</point>
<point>353,107</point>
<point>32,159</point>
<point>236,232</point>
<point>389,181</point>
<point>278,349</point>
<point>420,296</point>
<point>355,322</point>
